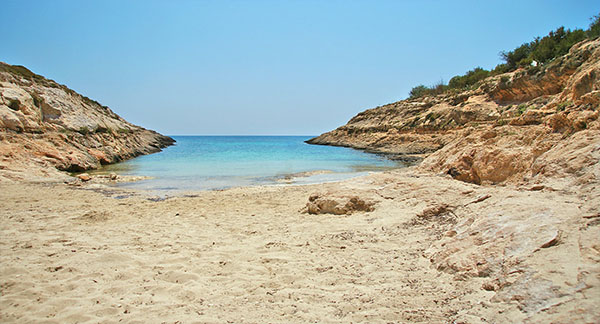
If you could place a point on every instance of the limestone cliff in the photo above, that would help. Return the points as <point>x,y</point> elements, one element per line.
<point>509,128</point>
<point>536,133</point>
<point>46,126</point>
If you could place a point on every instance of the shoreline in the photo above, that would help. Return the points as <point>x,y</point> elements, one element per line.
<point>122,185</point>
<point>189,174</point>
<point>433,249</point>
<point>409,159</point>
<point>313,177</point>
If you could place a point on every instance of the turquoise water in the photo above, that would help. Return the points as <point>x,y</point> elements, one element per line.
<point>218,162</point>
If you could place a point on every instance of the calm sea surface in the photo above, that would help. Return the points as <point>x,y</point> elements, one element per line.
<point>217,162</point>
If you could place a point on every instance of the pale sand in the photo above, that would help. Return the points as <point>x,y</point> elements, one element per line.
<point>249,255</point>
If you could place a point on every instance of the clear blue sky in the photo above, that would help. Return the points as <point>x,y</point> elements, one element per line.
<point>265,67</point>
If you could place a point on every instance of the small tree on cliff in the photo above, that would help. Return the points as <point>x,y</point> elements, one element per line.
<point>419,91</point>
<point>594,30</point>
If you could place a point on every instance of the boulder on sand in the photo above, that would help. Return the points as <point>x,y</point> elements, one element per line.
<point>337,204</point>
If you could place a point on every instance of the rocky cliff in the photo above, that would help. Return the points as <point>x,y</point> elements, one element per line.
<point>531,240</point>
<point>517,126</point>
<point>45,126</point>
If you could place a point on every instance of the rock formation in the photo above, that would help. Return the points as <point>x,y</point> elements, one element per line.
<point>506,129</point>
<point>46,126</point>
<point>531,240</point>
<point>337,204</point>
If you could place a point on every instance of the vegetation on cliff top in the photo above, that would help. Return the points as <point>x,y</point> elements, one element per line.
<point>540,51</point>
<point>25,73</point>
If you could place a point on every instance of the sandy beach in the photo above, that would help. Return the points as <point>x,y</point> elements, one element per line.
<point>452,176</point>
<point>94,254</point>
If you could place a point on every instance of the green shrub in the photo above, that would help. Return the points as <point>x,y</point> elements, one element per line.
<point>522,108</point>
<point>542,50</point>
<point>594,30</point>
<point>531,70</point>
<point>84,130</point>
<point>439,87</point>
<point>563,105</point>
<point>468,79</point>
<point>419,91</point>
<point>514,57</point>
<point>525,62</point>
<point>500,68</point>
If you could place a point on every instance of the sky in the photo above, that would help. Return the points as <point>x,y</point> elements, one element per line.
<point>265,67</point>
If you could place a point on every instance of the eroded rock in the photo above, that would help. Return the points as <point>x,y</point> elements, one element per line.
<point>337,204</point>
<point>44,124</point>
<point>492,134</point>
<point>84,177</point>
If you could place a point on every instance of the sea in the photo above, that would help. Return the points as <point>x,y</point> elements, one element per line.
<point>220,162</point>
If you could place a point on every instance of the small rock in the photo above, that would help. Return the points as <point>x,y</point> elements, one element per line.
<point>537,188</point>
<point>489,286</point>
<point>451,233</point>
<point>113,176</point>
<point>479,199</point>
<point>489,134</point>
<point>435,211</point>
<point>323,269</point>
<point>592,216</point>
<point>84,177</point>
<point>553,241</point>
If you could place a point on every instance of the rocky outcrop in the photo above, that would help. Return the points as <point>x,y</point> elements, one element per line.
<point>338,204</point>
<point>45,125</point>
<point>495,133</point>
<point>531,241</point>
